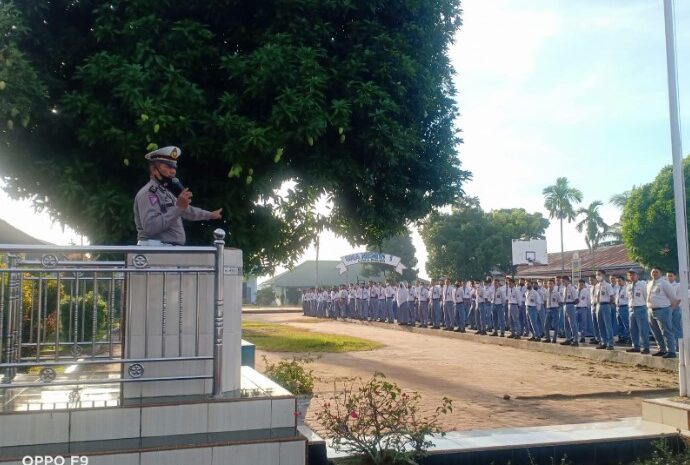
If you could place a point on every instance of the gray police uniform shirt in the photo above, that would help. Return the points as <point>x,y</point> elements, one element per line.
<point>157,216</point>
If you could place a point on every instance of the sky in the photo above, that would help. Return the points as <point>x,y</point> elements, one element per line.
<point>546,88</point>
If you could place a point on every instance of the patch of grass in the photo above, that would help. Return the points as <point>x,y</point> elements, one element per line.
<point>273,337</point>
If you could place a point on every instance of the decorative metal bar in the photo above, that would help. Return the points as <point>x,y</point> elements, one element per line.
<point>146,315</point>
<point>111,310</point>
<point>19,319</point>
<point>94,316</point>
<point>196,318</point>
<point>103,361</point>
<point>76,350</point>
<point>32,310</point>
<point>58,320</point>
<point>77,382</point>
<point>2,316</point>
<point>11,316</point>
<point>180,308</point>
<point>164,314</point>
<point>218,290</point>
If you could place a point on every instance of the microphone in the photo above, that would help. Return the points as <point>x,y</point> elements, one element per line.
<point>177,183</point>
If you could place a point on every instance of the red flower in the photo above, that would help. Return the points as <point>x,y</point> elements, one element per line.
<point>353,414</point>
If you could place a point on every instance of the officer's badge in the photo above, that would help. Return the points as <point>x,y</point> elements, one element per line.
<point>153,199</point>
<point>174,154</point>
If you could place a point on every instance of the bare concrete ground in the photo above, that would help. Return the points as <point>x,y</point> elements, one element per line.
<point>543,388</point>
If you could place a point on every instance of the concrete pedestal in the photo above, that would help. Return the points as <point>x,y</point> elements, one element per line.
<point>171,315</point>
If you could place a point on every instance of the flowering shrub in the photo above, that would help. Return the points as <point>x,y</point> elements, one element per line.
<point>293,374</point>
<point>380,422</point>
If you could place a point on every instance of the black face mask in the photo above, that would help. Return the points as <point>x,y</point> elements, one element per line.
<point>167,182</point>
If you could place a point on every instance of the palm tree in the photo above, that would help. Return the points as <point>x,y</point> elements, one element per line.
<point>593,223</point>
<point>558,200</point>
<point>613,235</point>
<point>618,200</point>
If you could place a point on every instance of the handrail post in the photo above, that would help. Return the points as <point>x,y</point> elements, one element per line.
<point>12,316</point>
<point>218,291</point>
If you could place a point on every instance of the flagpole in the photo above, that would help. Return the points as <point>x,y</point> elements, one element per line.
<point>678,191</point>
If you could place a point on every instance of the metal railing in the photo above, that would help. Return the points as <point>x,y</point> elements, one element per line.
<point>66,312</point>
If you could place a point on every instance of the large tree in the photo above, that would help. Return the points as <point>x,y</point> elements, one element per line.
<point>470,243</point>
<point>351,99</point>
<point>401,246</point>
<point>558,200</point>
<point>649,222</point>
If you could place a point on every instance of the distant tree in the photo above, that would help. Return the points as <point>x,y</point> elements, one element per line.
<point>470,243</point>
<point>594,226</point>
<point>613,235</point>
<point>649,223</point>
<point>514,223</point>
<point>558,200</point>
<point>400,246</point>
<point>354,100</point>
<point>265,297</point>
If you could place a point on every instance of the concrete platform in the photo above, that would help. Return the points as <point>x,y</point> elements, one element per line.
<point>583,351</point>
<point>670,411</point>
<point>591,443</point>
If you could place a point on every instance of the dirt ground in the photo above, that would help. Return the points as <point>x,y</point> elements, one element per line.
<point>543,388</point>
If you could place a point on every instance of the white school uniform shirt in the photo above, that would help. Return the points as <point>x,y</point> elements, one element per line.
<point>603,291</point>
<point>498,296</point>
<point>358,293</point>
<point>637,294</point>
<point>553,298</point>
<point>365,294</point>
<point>424,294</point>
<point>592,295</point>
<point>660,294</point>
<point>540,297</point>
<point>389,292</point>
<point>448,293</point>
<point>569,294</point>
<point>479,294</point>
<point>436,292</point>
<point>583,298</point>
<point>374,292</point>
<point>351,295</point>
<point>459,294</point>
<point>512,295</point>
<point>343,294</point>
<point>622,296</point>
<point>382,293</point>
<point>412,295</point>
<point>468,292</point>
<point>488,293</point>
<point>402,295</point>
<point>531,298</point>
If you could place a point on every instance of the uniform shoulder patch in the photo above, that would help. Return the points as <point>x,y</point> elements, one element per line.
<point>153,189</point>
<point>153,199</point>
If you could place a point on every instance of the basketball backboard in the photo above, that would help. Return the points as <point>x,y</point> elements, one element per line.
<point>531,252</point>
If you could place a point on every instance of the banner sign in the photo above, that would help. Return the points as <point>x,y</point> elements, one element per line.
<point>371,257</point>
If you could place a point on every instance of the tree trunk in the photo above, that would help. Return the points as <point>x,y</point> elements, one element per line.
<point>562,253</point>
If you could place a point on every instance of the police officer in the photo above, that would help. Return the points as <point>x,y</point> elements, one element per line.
<point>158,212</point>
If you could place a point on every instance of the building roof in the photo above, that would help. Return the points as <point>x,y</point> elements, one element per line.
<point>11,235</point>
<point>304,275</point>
<point>613,258</point>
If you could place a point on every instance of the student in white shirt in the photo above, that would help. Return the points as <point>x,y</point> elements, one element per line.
<point>448,306</point>
<point>403,309</point>
<point>423,306</point>
<point>513,301</point>
<point>498,299</point>
<point>532,314</point>
<point>639,315</point>
<point>661,298</point>
<point>675,311</point>
<point>460,313</point>
<point>604,299</point>
<point>553,304</point>
<point>569,295</point>
<point>623,310</point>
<point>436,316</point>
<point>596,340</point>
<point>582,307</point>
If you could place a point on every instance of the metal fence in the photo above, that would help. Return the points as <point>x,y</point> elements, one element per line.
<point>64,313</point>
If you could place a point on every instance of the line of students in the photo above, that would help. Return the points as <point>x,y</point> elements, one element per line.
<point>543,310</point>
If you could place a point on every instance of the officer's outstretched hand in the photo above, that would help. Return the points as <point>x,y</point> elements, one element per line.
<point>184,199</point>
<point>216,215</point>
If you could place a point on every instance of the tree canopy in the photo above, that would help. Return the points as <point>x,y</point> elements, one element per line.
<point>649,222</point>
<point>401,246</point>
<point>348,99</point>
<point>470,243</point>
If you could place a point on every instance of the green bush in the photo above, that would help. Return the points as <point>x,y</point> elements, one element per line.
<point>664,454</point>
<point>265,297</point>
<point>293,374</point>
